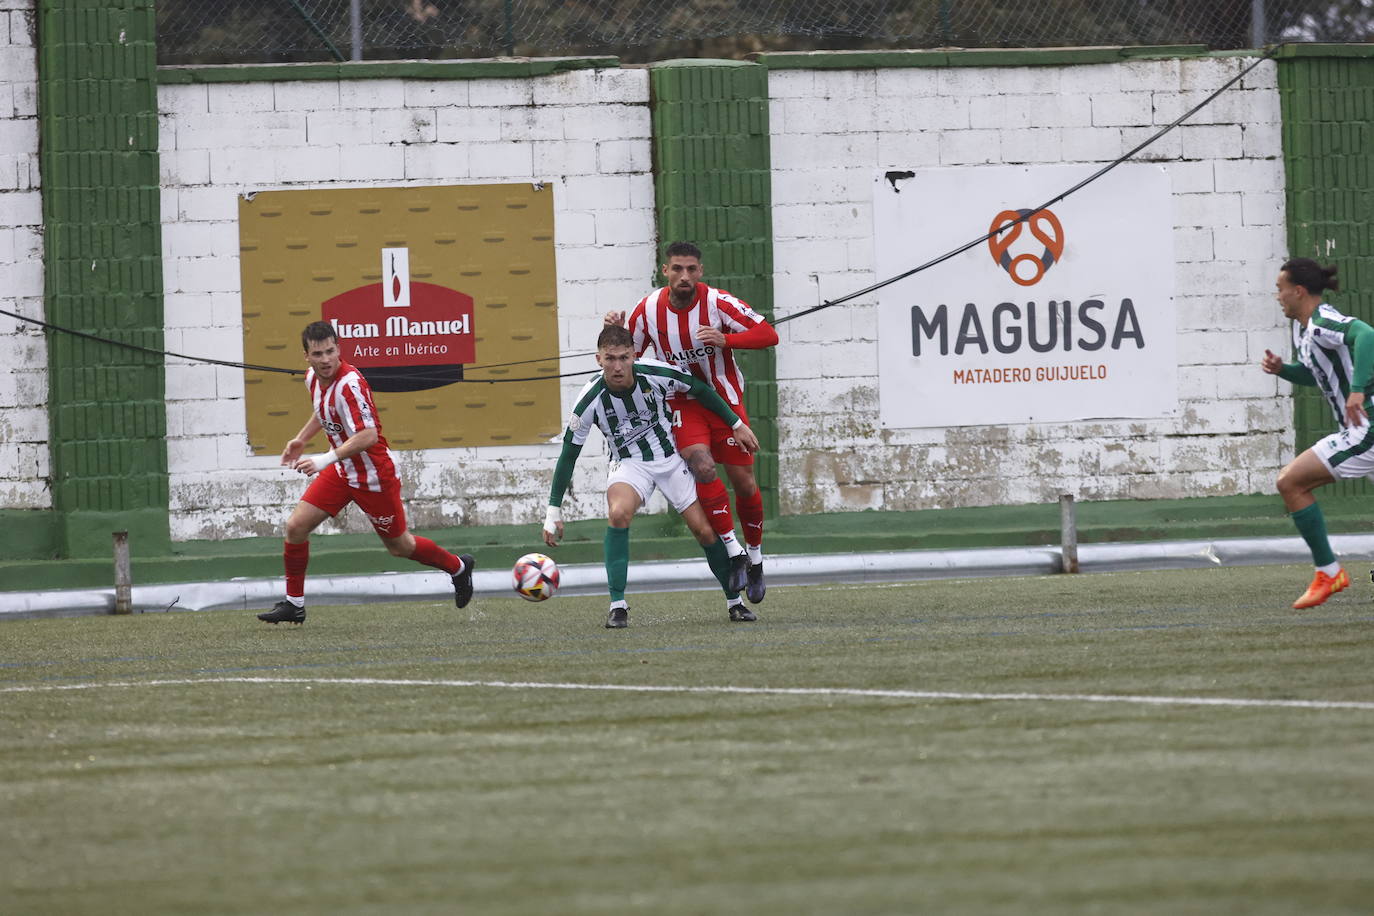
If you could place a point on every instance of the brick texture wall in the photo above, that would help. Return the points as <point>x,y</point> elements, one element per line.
<point>833,129</point>
<point>587,133</point>
<point>583,131</point>
<point>24,466</point>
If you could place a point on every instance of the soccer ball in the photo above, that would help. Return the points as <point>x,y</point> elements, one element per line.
<point>536,577</point>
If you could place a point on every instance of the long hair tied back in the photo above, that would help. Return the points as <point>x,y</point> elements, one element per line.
<point>1311,276</point>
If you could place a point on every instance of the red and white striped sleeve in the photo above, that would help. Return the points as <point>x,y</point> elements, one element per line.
<point>745,328</point>
<point>638,325</point>
<point>735,313</point>
<point>356,410</point>
<point>312,388</point>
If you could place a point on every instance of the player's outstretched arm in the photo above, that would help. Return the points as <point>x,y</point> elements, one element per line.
<point>292,452</point>
<point>553,526</point>
<point>760,337</point>
<point>746,438</point>
<point>1296,373</point>
<point>1355,413</point>
<point>562,477</point>
<point>1360,338</point>
<point>356,444</point>
<point>716,404</point>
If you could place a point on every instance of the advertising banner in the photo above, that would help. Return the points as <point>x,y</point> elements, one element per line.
<point>432,291</point>
<point>1065,315</point>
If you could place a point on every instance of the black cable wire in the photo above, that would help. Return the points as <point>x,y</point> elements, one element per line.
<point>1046,205</point>
<point>142,349</point>
<point>419,372</point>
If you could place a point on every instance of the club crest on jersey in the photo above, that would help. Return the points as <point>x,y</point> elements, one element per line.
<point>635,428</point>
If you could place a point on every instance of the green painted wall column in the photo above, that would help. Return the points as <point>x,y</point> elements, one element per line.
<point>97,67</point>
<point>712,166</point>
<point>1327,98</point>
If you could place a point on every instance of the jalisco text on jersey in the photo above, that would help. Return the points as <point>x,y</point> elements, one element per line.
<point>692,355</point>
<point>401,326</point>
<point>1043,328</point>
<point>980,376</point>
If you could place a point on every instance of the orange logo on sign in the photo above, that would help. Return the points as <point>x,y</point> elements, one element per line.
<point>1046,229</point>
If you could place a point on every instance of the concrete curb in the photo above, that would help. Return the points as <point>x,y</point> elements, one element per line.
<point>681,575</point>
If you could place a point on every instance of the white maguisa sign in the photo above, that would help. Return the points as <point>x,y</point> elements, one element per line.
<point>1066,315</point>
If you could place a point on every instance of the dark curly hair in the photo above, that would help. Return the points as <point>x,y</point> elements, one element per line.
<point>1311,276</point>
<point>682,250</point>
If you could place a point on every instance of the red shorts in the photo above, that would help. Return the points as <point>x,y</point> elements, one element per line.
<point>694,424</point>
<point>330,493</point>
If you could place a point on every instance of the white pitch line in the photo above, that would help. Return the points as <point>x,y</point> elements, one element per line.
<point>956,696</point>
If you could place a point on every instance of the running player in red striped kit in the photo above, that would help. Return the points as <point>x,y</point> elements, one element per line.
<point>357,468</point>
<point>696,328</point>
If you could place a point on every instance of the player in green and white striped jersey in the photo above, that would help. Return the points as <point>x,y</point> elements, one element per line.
<point>629,403</point>
<point>1336,354</point>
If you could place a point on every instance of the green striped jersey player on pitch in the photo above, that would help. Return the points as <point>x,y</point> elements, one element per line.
<point>628,401</point>
<point>1336,354</point>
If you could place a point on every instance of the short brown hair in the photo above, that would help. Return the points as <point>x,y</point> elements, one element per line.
<point>317,330</point>
<point>613,335</point>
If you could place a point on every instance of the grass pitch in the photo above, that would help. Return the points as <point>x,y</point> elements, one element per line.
<point>1034,745</point>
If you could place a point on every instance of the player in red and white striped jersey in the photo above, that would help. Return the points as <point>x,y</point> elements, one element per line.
<point>343,408</point>
<point>697,328</point>
<point>356,469</point>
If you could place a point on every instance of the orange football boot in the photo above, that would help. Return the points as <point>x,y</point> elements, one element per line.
<point>1322,587</point>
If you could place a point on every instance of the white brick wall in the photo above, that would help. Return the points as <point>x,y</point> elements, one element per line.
<point>585,132</point>
<point>23,350</point>
<point>1233,428</point>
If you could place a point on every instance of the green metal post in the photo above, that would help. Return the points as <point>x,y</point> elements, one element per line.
<point>315,27</point>
<point>712,170</point>
<point>103,272</point>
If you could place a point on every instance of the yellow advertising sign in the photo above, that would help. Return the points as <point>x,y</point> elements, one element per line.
<point>439,295</point>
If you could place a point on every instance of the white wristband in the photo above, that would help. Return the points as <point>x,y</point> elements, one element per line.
<point>738,423</point>
<point>552,516</point>
<point>325,460</point>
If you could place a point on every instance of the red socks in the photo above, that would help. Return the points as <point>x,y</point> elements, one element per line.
<point>431,554</point>
<point>295,557</point>
<point>751,518</point>
<point>716,502</point>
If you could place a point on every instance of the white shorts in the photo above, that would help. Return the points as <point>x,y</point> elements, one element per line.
<point>1348,454</point>
<point>671,475</point>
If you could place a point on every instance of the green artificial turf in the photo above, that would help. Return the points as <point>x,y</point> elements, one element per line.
<point>342,793</point>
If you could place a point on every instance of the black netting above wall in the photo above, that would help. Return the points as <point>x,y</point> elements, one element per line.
<point>246,31</point>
